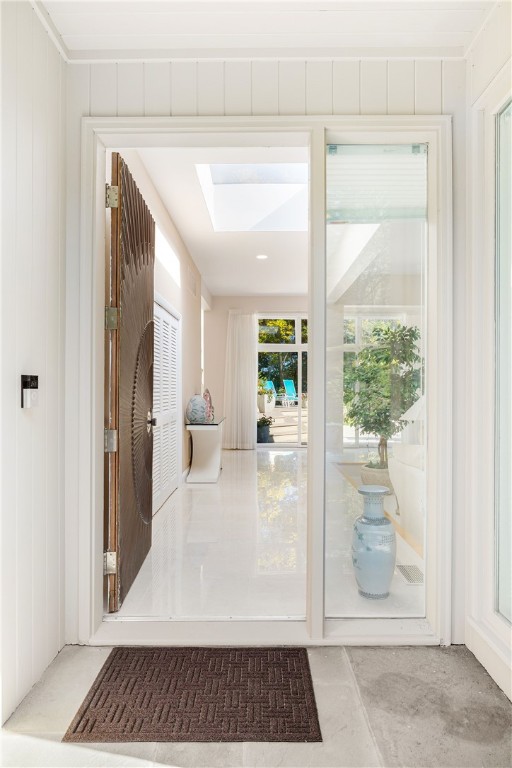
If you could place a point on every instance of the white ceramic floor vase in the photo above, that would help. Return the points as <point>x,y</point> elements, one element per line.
<point>373,545</point>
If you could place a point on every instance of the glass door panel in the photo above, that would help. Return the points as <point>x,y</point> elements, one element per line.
<point>304,399</point>
<point>375,379</point>
<point>504,365</point>
<point>282,369</point>
<point>282,379</point>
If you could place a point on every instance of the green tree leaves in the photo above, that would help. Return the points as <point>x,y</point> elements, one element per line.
<point>388,372</point>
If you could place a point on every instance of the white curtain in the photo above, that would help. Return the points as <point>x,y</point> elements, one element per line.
<point>241,380</point>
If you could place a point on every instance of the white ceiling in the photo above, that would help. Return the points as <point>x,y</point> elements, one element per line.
<point>195,29</point>
<point>227,260</point>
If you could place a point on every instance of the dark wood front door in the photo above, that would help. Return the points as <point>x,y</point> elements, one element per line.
<point>129,384</point>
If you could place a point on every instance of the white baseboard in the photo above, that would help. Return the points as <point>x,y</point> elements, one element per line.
<point>496,660</point>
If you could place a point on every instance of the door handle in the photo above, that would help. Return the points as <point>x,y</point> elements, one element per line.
<point>151,422</point>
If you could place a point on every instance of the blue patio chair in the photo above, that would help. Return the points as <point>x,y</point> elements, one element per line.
<point>270,386</point>
<point>291,397</point>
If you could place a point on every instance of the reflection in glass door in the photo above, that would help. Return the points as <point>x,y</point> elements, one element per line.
<point>376,423</point>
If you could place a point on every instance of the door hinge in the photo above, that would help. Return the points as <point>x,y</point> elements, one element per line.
<point>111,196</point>
<point>110,440</point>
<point>111,318</point>
<point>109,563</point>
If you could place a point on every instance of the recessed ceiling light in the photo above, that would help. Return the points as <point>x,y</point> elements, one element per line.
<point>262,256</point>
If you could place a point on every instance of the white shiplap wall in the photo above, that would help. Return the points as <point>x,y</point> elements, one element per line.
<point>32,341</point>
<point>256,88</point>
<point>261,87</point>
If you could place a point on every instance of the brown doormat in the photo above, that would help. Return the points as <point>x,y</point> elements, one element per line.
<point>200,694</point>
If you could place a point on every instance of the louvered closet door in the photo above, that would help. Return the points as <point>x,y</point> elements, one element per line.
<point>165,406</point>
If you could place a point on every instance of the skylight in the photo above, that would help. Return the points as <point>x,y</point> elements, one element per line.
<point>257,197</point>
<point>259,173</point>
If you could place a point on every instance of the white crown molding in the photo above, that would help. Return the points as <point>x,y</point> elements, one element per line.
<point>255,54</point>
<point>53,33</point>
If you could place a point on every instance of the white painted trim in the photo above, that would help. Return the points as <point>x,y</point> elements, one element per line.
<point>119,133</point>
<point>486,644</point>
<point>52,31</point>
<point>89,544</point>
<point>159,299</point>
<point>406,631</point>
<point>488,635</point>
<point>266,632</point>
<point>360,53</point>
<point>315,596</point>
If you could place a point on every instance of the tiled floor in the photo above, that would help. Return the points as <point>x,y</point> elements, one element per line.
<point>286,423</point>
<point>415,707</point>
<point>237,548</point>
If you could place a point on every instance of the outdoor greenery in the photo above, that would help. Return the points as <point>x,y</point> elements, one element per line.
<point>382,382</point>
<point>276,331</point>
<point>262,390</point>
<point>277,366</point>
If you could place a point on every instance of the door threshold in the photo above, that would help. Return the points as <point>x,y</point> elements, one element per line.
<point>337,632</point>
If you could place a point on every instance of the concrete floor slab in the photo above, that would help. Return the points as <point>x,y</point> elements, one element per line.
<point>433,707</point>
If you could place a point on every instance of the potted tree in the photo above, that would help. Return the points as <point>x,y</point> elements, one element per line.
<point>388,373</point>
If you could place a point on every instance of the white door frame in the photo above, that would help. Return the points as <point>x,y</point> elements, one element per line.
<point>98,134</point>
<point>488,634</point>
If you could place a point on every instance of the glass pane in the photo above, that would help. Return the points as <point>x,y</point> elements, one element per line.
<point>280,368</point>
<point>349,385</point>
<point>304,331</point>
<point>349,333</point>
<point>368,327</point>
<point>504,365</point>
<point>304,414</point>
<point>276,331</point>
<point>375,391</point>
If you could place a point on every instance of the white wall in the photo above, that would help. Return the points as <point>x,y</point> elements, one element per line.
<point>32,341</point>
<point>262,88</point>
<point>366,87</point>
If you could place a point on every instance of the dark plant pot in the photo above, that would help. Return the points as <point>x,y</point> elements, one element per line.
<point>263,434</point>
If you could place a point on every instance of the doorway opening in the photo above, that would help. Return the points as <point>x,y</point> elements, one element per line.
<point>236,548</point>
<point>105,134</point>
<point>283,379</point>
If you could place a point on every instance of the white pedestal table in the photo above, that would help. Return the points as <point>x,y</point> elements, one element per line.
<point>206,451</point>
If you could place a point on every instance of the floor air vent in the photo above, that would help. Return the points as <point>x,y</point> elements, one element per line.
<point>411,573</point>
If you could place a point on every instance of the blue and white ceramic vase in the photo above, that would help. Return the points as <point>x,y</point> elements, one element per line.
<point>373,545</point>
<point>196,410</point>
